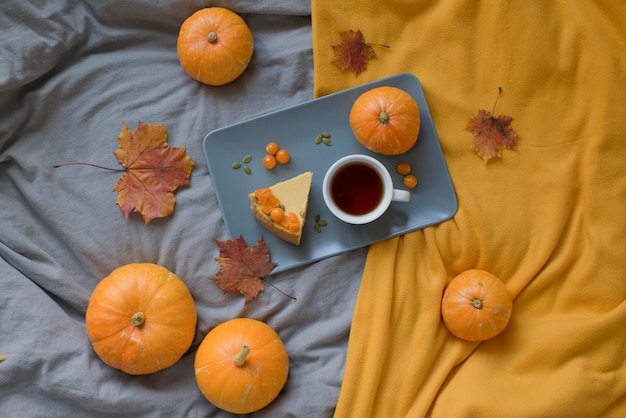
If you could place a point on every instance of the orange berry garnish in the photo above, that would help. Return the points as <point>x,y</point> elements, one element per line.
<point>271,148</point>
<point>285,222</point>
<point>277,214</point>
<point>263,194</point>
<point>410,181</point>
<point>269,161</point>
<point>294,224</point>
<point>282,156</point>
<point>273,201</point>
<point>403,168</point>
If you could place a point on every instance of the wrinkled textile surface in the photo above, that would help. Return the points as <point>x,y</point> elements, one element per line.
<point>548,218</point>
<point>71,73</point>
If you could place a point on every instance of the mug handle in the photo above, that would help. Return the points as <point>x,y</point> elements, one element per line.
<point>400,196</point>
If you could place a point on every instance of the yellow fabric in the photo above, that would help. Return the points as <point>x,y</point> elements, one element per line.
<point>548,218</point>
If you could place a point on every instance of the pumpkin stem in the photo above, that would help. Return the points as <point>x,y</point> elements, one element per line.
<point>212,37</point>
<point>240,358</point>
<point>477,303</point>
<point>138,319</point>
<point>383,117</point>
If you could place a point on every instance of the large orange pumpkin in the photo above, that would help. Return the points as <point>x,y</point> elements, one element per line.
<point>214,46</point>
<point>241,365</point>
<point>141,318</point>
<point>476,305</point>
<point>385,120</point>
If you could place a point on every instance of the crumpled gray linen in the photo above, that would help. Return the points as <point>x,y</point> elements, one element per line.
<point>71,73</point>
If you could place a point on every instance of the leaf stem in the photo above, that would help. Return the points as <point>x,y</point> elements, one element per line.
<point>280,291</point>
<point>493,111</point>
<point>383,45</point>
<point>88,164</point>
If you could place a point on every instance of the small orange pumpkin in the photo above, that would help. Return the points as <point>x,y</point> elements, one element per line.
<point>241,365</point>
<point>476,305</point>
<point>385,120</point>
<point>141,318</point>
<point>214,46</point>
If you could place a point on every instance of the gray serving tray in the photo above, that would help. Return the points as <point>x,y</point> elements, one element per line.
<point>295,128</point>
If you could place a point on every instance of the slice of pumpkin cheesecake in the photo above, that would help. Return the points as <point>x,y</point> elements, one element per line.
<point>281,208</point>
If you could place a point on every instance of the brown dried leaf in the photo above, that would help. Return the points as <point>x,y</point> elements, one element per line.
<point>352,52</point>
<point>243,268</point>
<point>491,134</point>
<point>153,171</point>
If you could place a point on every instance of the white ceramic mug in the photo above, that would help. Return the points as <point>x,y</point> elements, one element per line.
<point>358,189</point>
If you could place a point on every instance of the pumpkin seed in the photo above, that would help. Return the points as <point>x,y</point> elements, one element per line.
<point>319,223</point>
<point>267,217</point>
<point>325,135</point>
<point>318,139</point>
<point>247,159</point>
<point>247,169</point>
<point>327,141</point>
<point>236,165</point>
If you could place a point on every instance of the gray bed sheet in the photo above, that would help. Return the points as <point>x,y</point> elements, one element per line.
<point>71,73</point>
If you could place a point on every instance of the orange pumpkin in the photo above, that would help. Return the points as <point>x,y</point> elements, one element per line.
<point>476,305</point>
<point>241,365</point>
<point>385,120</point>
<point>141,318</point>
<point>214,46</point>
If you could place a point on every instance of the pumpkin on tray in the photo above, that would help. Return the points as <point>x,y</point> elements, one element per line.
<point>385,120</point>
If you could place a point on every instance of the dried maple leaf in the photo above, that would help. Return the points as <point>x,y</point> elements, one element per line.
<point>491,134</point>
<point>353,52</point>
<point>153,171</point>
<point>243,268</point>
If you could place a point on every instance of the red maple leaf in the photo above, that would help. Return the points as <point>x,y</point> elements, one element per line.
<point>153,171</point>
<point>491,134</point>
<point>353,52</point>
<point>243,268</point>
